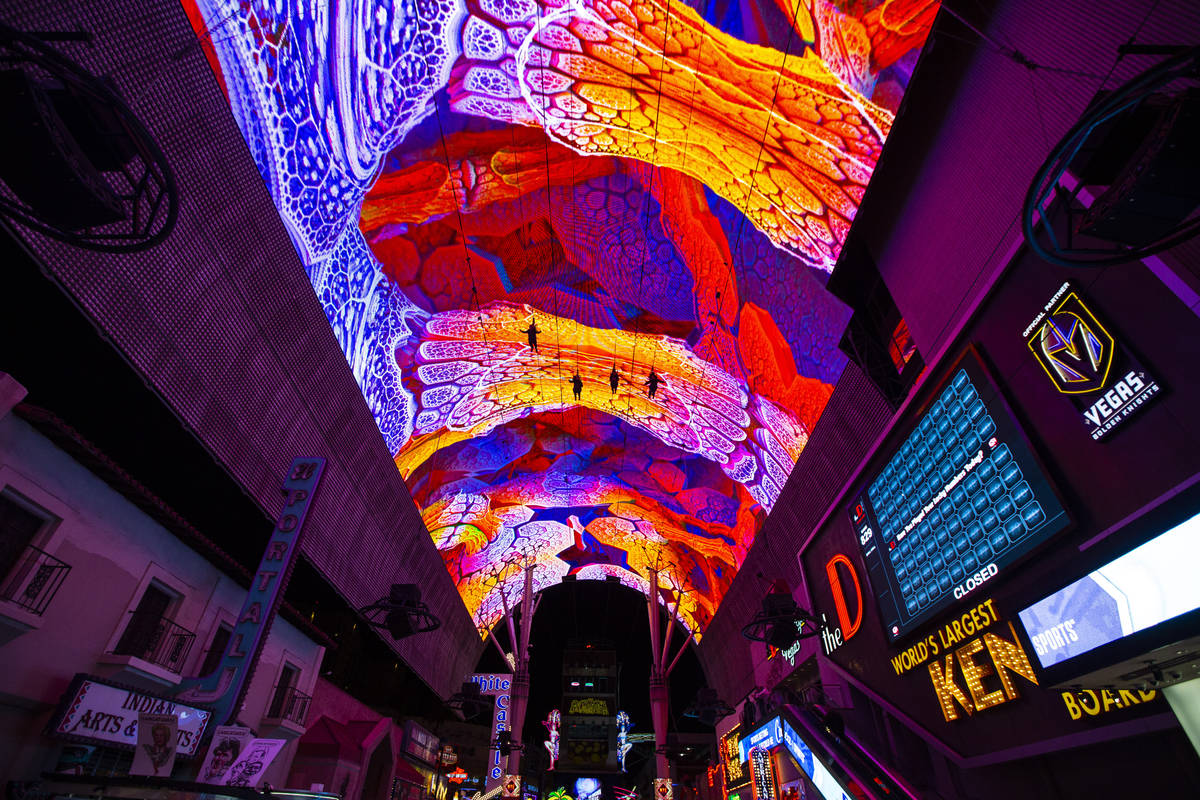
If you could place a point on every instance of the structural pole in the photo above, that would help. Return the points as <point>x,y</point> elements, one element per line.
<point>658,684</point>
<point>520,688</point>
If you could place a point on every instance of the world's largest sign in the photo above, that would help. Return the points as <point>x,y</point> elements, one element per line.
<point>574,253</point>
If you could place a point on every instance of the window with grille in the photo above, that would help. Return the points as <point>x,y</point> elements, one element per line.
<point>18,526</point>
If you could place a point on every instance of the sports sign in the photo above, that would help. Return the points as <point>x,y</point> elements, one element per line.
<point>1083,359</point>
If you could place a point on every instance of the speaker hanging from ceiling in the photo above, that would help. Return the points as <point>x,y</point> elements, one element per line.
<point>76,163</point>
<point>1134,153</point>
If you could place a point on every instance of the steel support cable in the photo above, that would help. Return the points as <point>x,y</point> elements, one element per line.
<point>562,413</point>
<point>648,192</point>
<point>733,254</point>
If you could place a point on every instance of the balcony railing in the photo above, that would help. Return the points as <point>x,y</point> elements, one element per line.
<point>34,580</point>
<point>289,703</point>
<point>157,640</point>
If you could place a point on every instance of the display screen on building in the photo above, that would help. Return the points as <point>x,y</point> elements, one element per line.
<point>960,499</point>
<point>779,731</point>
<point>380,132</point>
<point>1151,584</point>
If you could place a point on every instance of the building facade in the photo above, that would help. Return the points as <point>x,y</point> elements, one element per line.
<point>96,590</point>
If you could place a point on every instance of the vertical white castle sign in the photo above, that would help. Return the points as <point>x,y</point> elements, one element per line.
<point>498,686</point>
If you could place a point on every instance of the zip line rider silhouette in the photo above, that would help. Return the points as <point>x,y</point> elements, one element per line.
<point>614,379</point>
<point>652,382</point>
<point>577,385</point>
<point>533,331</point>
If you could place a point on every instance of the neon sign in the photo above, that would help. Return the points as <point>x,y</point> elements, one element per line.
<point>589,706</point>
<point>623,743</point>
<point>498,686</point>
<point>552,723</point>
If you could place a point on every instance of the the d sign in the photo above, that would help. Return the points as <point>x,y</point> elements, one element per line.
<point>839,598</point>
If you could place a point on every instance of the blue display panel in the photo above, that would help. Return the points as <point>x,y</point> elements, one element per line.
<point>961,499</point>
<point>780,732</point>
<point>1151,584</point>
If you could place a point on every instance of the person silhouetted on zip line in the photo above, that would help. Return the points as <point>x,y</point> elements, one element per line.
<point>614,379</point>
<point>652,382</point>
<point>533,331</point>
<point>577,385</point>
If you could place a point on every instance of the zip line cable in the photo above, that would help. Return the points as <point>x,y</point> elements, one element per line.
<point>733,255</point>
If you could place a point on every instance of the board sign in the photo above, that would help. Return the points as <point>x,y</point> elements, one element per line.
<point>960,499</point>
<point>420,743</point>
<point>1083,360</point>
<point>93,710</point>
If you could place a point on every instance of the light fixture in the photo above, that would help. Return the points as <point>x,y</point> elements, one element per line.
<point>574,683</point>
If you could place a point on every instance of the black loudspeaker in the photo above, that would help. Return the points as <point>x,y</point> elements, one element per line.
<point>750,715</point>
<point>1158,183</point>
<point>44,162</point>
<point>403,597</point>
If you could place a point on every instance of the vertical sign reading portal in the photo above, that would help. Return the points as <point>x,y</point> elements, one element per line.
<point>225,686</point>
<point>500,687</point>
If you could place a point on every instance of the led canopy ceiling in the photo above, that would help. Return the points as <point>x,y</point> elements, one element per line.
<point>575,252</point>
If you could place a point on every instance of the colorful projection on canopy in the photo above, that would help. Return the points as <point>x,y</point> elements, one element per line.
<point>574,252</point>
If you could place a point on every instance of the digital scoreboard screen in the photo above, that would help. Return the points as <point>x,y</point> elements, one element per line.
<point>1149,585</point>
<point>961,498</point>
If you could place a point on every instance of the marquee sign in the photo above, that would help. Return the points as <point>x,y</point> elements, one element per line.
<point>731,757</point>
<point>93,710</point>
<point>1083,359</point>
<point>953,665</point>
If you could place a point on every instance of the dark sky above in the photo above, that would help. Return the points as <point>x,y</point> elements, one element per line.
<point>600,610</point>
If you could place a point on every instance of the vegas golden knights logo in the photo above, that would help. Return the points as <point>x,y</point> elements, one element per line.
<point>1073,347</point>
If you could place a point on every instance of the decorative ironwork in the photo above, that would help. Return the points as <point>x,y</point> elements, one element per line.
<point>289,703</point>
<point>34,580</point>
<point>159,640</point>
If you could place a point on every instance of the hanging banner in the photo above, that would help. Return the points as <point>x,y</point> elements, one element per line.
<point>228,743</point>
<point>156,743</point>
